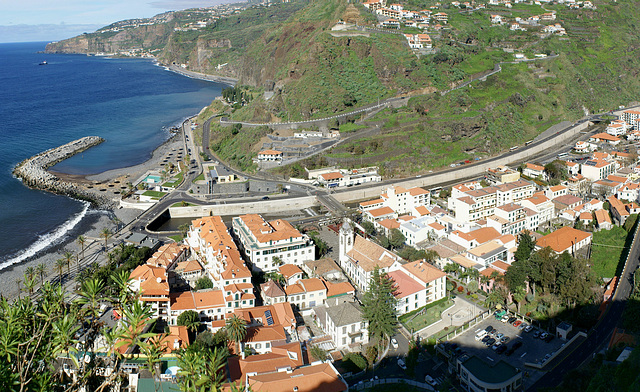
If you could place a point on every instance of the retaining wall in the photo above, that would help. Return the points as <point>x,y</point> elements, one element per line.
<point>263,207</point>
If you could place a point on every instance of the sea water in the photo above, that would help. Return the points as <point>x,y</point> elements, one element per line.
<point>128,102</point>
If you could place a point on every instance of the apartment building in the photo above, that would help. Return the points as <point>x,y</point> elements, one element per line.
<point>473,203</point>
<point>267,245</point>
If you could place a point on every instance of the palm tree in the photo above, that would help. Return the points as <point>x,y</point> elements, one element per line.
<point>60,263</point>
<point>41,269</point>
<point>29,283</point>
<point>90,295</point>
<point>123,292</point>
<point>184,228</point>
<point>116,221</point>
<point>30,271</point>
<point>236,330</point>
<point>82,241</point>
<point>106,234</point>
<point>67,256</point>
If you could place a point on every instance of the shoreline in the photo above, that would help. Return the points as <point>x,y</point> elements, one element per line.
<point>89,225</point>
<point>94,220</point>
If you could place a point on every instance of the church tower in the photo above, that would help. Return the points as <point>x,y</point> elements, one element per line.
<point>346,240</point>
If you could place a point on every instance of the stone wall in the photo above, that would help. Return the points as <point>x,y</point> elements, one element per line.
<point>33,172</point>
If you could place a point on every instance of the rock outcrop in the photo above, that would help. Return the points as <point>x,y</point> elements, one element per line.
<point>33,172</point>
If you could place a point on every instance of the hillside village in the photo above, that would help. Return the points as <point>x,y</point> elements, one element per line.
<point>535,248</point>
<point>303,313</point>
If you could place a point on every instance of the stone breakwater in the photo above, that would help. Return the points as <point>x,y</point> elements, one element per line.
<point>33,173</point>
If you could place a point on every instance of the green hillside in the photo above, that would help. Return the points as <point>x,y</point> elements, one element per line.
<point>289,51</point>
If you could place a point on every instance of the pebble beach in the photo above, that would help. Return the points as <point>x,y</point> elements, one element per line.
<point>91,225</point>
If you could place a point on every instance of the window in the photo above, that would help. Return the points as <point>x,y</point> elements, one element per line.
<point>244,302</point>
<point>267,345</point>
<point>344,329</point>
<point>258,345</point>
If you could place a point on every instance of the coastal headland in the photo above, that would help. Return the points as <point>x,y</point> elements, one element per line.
<point>33,172</point>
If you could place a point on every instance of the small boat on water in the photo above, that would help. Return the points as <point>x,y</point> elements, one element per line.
<point>43,63</point>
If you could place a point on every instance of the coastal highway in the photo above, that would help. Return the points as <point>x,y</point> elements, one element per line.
<point>324,197</point>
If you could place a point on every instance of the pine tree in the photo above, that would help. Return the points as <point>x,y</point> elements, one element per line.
<point>379,306</point>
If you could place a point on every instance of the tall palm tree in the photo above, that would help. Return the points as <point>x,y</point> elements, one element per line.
<point>82,241</point>
<point>30,272</point>
<point>236,330</point>
<point>67,256</point>
<point>116,221</point>
<point>41,269</point>
<point>106,234</point>
<point>60,263</point>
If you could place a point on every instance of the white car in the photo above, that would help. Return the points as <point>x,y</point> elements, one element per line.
<point>402,365</point>
<point>430,380</point>
<point>394,343</point>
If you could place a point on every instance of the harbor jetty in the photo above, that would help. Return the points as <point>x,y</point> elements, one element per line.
<point>33,172</point>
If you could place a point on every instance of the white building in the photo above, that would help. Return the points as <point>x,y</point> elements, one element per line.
<point>421,229</point>
<point>597,169</point>
<point>344,323</point>
<point>472,204</point>
<point>358,257</point>
<point>270,156</point>
<point>419,283</point>
<point>270,244</point>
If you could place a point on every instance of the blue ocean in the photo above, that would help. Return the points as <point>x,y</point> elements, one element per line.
<point>128,102</point>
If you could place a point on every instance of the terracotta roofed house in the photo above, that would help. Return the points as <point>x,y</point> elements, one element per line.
<point>264,243</point>
<point>358,257</point>
<point>272,293</point>
<point>270,155</point>
<point>565,239</point>
<point>290,272</point>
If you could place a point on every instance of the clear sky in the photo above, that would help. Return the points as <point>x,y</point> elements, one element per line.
<point>50,20</point>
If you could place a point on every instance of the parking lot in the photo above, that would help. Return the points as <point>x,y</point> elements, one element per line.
<point>532,349</point>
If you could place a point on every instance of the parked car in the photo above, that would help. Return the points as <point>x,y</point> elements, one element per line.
<point>536,334</point>
<point>505,339</point>
<point>523,326</point>
<point>495,346</point>
<point>543,336</point>
<point>490,342</point>
<point>394,343</point>
<point>512,320</point>
<point>489,329</point>
<point>528,328</point>
<point>549,338</point>
<point>517,323</point>
<point>499,336</point>
<point>430,380</point>
<point>501,349</point>
<point>505,318</point>
<point>485,338</point>
<point>402,365</point>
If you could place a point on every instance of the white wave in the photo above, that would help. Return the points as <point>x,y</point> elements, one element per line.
<point>47,240</point>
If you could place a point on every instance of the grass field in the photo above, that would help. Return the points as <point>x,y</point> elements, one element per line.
<point>433,313</point>
<point>154,194</point>
<point>174,181</point>
<point>606,259</point>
